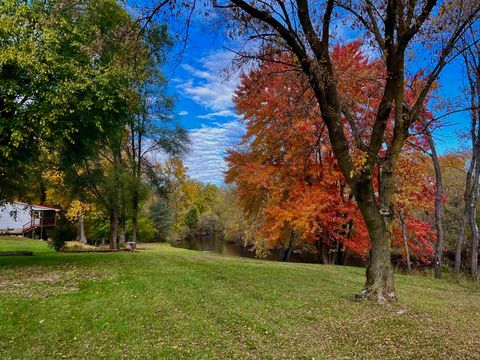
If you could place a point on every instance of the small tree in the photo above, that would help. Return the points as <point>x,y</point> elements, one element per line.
<point>191,218</point>
<point>76,212</point>
<point>162,218</point>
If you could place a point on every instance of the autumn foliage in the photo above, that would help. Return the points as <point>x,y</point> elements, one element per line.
<point>288,179</point>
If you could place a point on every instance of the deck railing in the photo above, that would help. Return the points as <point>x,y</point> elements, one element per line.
<point>35,223</point>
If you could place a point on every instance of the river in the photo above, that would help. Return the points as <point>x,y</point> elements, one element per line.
<point>216,244</point>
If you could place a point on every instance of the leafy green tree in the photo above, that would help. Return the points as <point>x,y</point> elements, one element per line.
<point>65,81</point>
<point>161,216</point>
<point>104,108</point>
<point>191,218</point>
<point>151,128</point>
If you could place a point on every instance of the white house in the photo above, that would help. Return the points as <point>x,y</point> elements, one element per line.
<point>20,218</point>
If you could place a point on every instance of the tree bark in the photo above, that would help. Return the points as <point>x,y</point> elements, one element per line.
<point>379,285</point>
<point>78,231</point>
<point>474,252</point>
<point>81,229</point>
<point>137,159</point>
<point>438,202</point>
<point>113,227</point>
<point>322,253</point>
<point>405,242</point>
<point>468,199</point>
<point>472,219</point>
<point>473,72</point>
<point>115,197</point>
<point>123,231</point>
<point>471,57</point>
<point>291,244</point>
<point>134,214</point>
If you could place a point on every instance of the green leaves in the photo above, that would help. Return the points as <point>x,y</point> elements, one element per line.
<point>66,78</point>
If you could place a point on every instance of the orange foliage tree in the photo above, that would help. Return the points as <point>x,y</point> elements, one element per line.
<point>285,170</point>
<point>413,202</point>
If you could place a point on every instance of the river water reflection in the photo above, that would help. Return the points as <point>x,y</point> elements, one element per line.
<point>216,244</point>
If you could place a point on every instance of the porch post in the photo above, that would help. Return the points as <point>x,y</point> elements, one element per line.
<point>41,225</point>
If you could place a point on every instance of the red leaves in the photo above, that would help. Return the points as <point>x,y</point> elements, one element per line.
<point>285,169</point>
<point>414,198</point>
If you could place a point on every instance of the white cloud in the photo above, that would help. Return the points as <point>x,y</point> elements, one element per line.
<point>183,113</point>
<point>205,160</point>
<point>222,113</point>
<point>209,86</point>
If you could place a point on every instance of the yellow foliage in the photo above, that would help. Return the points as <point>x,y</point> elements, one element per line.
<point>76,209</point>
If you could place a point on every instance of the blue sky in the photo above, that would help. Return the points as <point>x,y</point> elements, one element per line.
<point>202,86</point>
<point>203,90</point>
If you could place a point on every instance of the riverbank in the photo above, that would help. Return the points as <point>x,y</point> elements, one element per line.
<point>165,302</point>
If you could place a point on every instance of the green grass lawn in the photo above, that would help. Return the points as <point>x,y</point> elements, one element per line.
<point>164,302</point>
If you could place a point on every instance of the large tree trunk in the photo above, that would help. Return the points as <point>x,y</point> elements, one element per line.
<point>123,231</point>
<point>472,219</point>
<point>439,228</point>
<point>405,242</point>
<point>78,231</point>
<point>469,215</point>
<point>473,71</point>
<point>113,227</point>
<point>81,229</point>
<point>474,252</point>
<point>135,213</point>
<point>134,228</point>
<point>379,285</point>
<point>438,201</point>
<point>115,198</point>
<point>323,254</point>
<point>289,249</point>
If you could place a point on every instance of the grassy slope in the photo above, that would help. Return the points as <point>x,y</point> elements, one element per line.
<point>175,303</point>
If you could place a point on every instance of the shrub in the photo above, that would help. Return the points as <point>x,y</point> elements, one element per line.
<point>98,229</point>
<point>210,223</point>
<point>146,229</point>
<point>64,231</point>
<point>444,268</point>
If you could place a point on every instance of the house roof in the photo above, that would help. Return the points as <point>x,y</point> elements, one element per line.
<point>38,207</point>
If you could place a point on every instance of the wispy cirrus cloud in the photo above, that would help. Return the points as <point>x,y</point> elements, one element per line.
<point>222,113</point>
<point>205,160</point>
<point>208,84</point>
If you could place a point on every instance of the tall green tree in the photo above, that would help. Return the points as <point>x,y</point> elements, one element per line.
<point>63,82</point>
<point>151,127</point>
<point>116,174</point>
